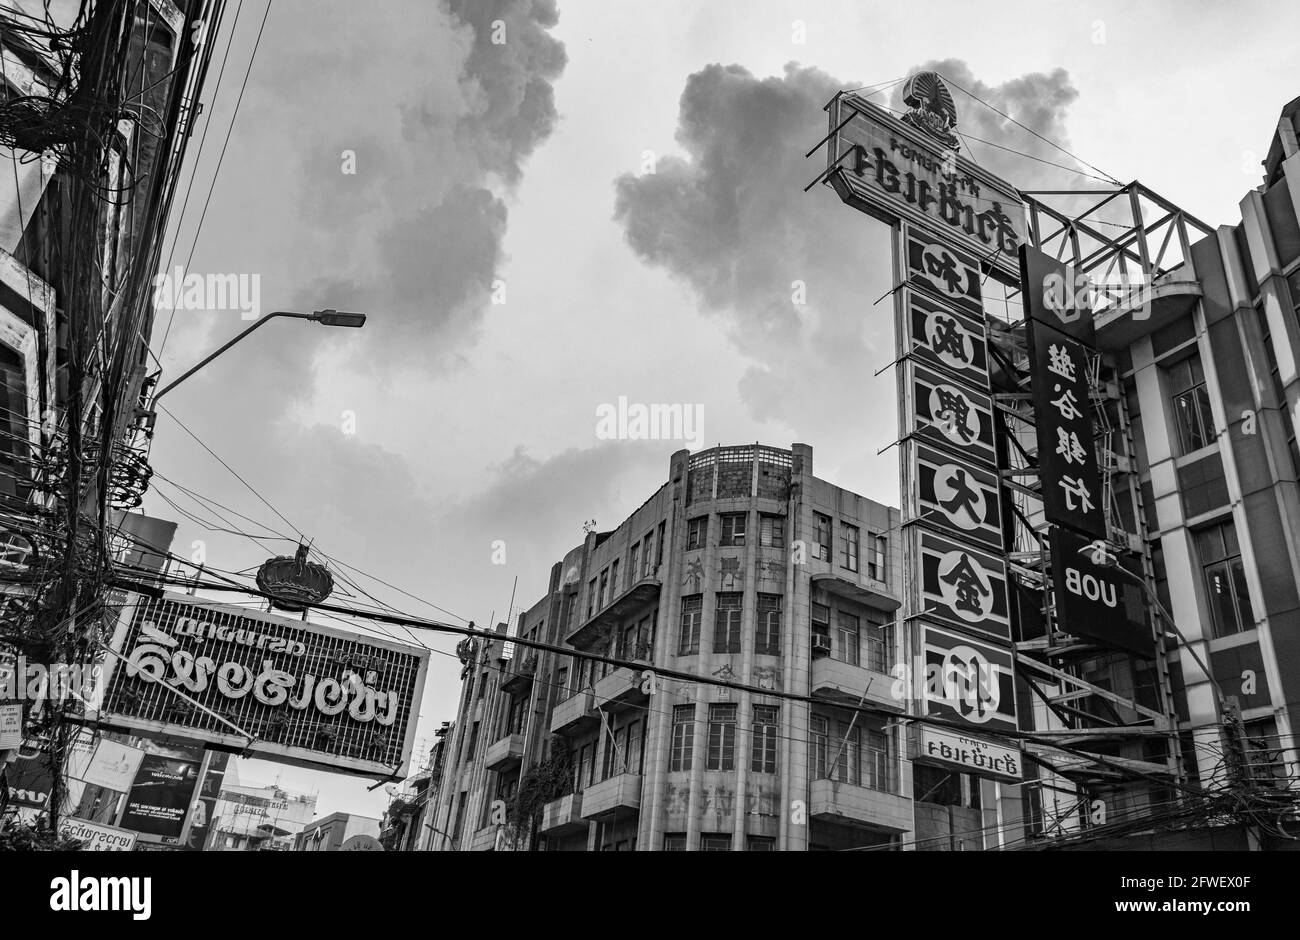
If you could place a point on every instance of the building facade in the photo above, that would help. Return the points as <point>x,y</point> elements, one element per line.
<point>743,567</point>
<point>329,833</point>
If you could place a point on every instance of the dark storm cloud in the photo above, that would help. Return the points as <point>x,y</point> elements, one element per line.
<point>732,220</point>
<point>441,104</point>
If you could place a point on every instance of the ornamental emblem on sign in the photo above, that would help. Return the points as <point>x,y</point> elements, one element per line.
<point>933,110</point>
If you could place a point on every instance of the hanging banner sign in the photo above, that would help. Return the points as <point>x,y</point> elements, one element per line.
<point>1067,454</point>
<point>968,680</point>
<point>1053,294</point>
<point>973,755</point>
<point>949,341</point>
<point>956,497</point>
<point>310,694</point>
<point>964,588</point>
<point>1094,600</point>
<point>950,415</point>
<point>893,170</point>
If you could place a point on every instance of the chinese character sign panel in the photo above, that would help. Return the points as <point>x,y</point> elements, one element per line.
<point>947,340</point>
<point>1067,455</point>
<point>964,588</point>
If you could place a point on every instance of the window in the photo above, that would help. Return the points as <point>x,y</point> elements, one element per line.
<point>822,548</point>
<point>562,681</point>
<point>845,753</point>
<point>613,580</point>
<point>633,563</point>
<point>683,737</point>
<point>762,759</point>
<point>760,844</point>
<point>473,741</point>
<point>674,842</point>
<point>649,550</point>
<point>1225,579</point>
<point>591,598</point>
<point>767,633</point>
<point>848,646</point>
<point>1191,404</point>
<point>604,588</point>
<point>697,531</point>
<point>1275,372</point>
<point>623,752</point>
<point>726,623</point>
<point>821,619</point>
<point>626,641</point>
<point>635,740</point>
<point>771,531</point>
<point>880,643</point>
<point>715,842</point>
<point>722,737</point>
<point>659,546</point>
<point>849,546</point>
<point>819,744</point>
<point>585,767</point>
<point>733,528</point>
<point>515,716</point>
<point>692,610</point>
<point>877,772</point>
<point>877,550</point>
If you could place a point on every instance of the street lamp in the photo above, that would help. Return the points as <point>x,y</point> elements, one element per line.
<point>327,317</point>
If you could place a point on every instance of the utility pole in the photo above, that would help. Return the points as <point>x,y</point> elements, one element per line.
<point>1238,767</point>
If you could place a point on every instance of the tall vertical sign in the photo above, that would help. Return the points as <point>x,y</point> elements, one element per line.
<point>955,222</point>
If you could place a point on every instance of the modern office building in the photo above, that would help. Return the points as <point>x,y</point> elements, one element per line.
<point>743,567</point>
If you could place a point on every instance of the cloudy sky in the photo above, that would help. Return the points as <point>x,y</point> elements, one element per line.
<point>606,202</point>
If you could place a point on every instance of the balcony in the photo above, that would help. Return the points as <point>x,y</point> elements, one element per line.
<point>563,815</point>
<point>596,630</point>
<point>1145,310</point>
<point>519,679</point>
<point>620,690</point>
<point>505,754</point>
<point>573,716</point>
<point>620,794</point>
<point>845,684</point>
<point>848,804</point>
<point>857,588</point>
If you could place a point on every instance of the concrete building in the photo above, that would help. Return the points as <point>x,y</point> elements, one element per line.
<point>257,818</point>
<point>1211,382</point>
<point>329,833</point>
<point>743,566</point>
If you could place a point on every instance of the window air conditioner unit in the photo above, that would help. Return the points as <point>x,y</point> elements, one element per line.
<point>821,643</point>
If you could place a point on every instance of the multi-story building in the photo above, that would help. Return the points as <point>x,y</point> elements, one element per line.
<point>330,833</point>
<point>258,818</point>
<point>743,567</point>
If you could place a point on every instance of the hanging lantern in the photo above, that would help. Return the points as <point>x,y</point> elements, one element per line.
<point>295,583</point>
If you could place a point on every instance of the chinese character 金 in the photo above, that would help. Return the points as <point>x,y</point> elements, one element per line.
<point>968,585</point>
<point>1075,488</point>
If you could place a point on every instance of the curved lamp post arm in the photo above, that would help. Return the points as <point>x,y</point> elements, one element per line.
<point>325,317</point>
